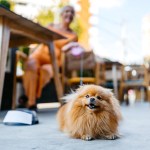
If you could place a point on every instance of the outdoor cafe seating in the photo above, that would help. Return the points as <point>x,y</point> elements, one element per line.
<point>79,68</point>
<point>134,77</point>
<point>110,74</point>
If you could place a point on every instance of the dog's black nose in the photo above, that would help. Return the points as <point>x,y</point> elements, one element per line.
<point>92,100</point>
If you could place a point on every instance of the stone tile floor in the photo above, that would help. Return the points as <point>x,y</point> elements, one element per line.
<point>135,130</point>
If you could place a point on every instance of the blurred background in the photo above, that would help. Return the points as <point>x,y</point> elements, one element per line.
<point>118,32</point>
<point>115,29</point>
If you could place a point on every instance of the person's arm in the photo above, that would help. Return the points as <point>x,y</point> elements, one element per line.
<point>54,27</point>
<point>71,39</point>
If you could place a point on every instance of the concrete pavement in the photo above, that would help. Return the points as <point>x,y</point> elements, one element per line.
<point>135,130</point>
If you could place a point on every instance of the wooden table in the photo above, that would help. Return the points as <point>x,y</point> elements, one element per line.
<point>16,30</point>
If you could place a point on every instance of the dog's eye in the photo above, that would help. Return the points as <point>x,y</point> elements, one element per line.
<point>99,97</point>
<point>87,96</point>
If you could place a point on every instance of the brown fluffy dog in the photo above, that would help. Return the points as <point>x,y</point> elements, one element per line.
<point>91,112</point>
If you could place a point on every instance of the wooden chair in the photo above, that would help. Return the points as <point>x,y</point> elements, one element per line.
<point>71,68</point>
<point>134,77</point>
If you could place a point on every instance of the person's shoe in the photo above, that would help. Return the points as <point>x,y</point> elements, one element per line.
<point>33,107</point>
<point>22,101</point>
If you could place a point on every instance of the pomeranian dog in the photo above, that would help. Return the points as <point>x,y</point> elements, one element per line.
<point>91,112</point>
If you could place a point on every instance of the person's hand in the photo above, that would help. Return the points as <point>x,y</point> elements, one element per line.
<point>75,48</point>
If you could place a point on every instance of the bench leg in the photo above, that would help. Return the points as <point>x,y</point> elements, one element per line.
<point>4,44</point>
<point>57,81</point>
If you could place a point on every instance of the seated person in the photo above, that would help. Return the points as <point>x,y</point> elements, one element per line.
<point>38,69</point>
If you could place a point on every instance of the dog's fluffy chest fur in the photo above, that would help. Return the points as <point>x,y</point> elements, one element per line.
<point>92,112</point>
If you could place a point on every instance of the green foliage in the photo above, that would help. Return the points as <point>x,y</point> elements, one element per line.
<point>62,4</point>
<point>45,17</point>
<point>12,4</point>
<point>76,26</point>
<point>5,3</point>
<point>24,49</point>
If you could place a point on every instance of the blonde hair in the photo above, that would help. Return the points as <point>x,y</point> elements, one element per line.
<point>65,7</point>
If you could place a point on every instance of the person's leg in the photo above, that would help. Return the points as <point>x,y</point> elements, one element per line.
<point>45,74</point>
<point>38,72</point>
<point>30,80</point>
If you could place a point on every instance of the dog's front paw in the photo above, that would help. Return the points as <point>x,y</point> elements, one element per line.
<point>86,137</point>
<point>112,137</point>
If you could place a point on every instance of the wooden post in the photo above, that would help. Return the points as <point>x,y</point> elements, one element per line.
<point>63,76</point>
<point>97,75</point>
<point>4,43</point>
<point>114,75</point>
<point>57,81</point>
<point>14,82</point>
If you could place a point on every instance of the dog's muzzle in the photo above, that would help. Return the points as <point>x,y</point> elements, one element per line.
<point>92,104</point>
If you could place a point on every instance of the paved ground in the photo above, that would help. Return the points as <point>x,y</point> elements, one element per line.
<point>135,130</point>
